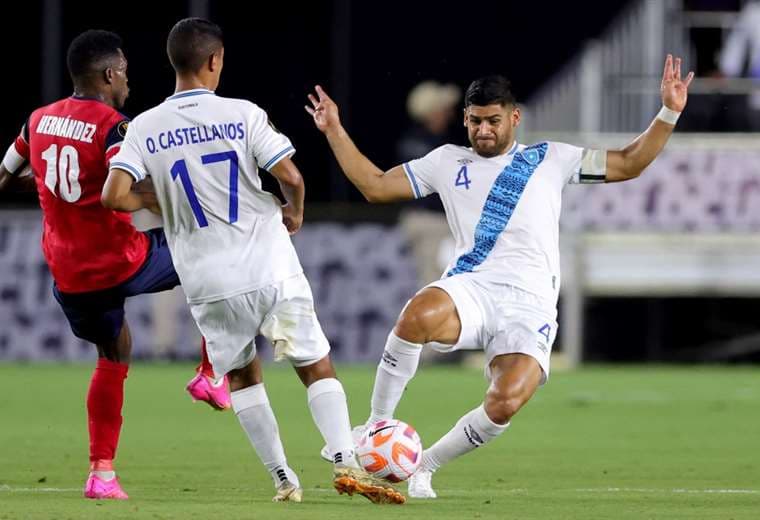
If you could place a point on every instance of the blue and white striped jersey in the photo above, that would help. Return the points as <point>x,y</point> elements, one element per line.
<point>504,211</point>
<point>203,153</point>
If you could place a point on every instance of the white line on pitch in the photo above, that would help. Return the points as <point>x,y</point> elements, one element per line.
<point>9,489</point>
<point>675,490</point>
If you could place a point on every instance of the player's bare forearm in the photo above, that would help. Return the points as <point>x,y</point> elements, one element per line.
<point>294,190</point>
<point>128,203</point>
<point>5,178</point>
<point>370,180</point>
<point>358,168</point>
<point>629,162</point>
<point>18,183</point>
<point>294,194</point>
<point>291,183</point>
<point>117,193</point>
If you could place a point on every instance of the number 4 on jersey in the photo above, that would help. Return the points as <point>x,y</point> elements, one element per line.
<point>462,178</point>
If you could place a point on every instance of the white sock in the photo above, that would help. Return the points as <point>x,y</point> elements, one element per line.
<point>327,402</point>
<point>104,475</point>
<point>397,366</point>
<point>473,430</point>
<point>252,408</point>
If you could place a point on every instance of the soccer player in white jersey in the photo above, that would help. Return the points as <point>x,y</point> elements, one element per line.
<point>231,248</point>
<point>499,293</point>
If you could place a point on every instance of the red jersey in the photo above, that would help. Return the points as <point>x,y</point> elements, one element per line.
<point>69,144</point>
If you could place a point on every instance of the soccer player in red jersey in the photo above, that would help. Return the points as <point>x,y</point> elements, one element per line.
<point>96,256</point>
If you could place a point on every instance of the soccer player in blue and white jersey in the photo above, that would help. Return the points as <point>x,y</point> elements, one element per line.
<point>499,292</point>
<point>231,247</point>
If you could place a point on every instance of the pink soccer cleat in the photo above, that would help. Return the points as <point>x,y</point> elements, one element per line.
<point>99,489</point>
<point>202,388</point>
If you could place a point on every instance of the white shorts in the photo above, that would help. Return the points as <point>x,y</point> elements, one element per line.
<point>282,312</point>
<point>500,319</point>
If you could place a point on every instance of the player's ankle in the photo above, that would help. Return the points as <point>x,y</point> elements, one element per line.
<point>101,465</point>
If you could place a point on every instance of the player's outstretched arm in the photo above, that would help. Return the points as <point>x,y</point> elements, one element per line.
<point>293,189</point>
<point>629,162</point>
<point>15,178</point>
<point>118,195</point>
<point>5,177</point>
<point>371,181</point>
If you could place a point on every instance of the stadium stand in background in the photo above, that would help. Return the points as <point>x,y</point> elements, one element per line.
<point>675,250</point>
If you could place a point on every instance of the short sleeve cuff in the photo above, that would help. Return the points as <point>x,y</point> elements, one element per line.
<point>134,172</point>
<point>412,181</point>
<point>287,152</point>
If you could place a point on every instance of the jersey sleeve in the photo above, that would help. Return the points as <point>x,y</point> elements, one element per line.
<point>17,155</point>
<point>581,165</point>
<point>269,145</point>
<point>422,173</point>
<point>129,156</point>
<point>115,137</point>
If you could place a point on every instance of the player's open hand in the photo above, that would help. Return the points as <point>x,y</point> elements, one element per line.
<point>292,218</point>
<point>323,110</point>
<point>674,89</point>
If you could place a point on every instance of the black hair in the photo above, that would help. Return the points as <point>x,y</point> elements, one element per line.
<point>88,52</point>
<point>490,90</point>
<point>191,41</point>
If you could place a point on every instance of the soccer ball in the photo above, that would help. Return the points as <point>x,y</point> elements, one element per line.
<point>390,450</point>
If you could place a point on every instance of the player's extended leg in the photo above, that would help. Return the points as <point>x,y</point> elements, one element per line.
<point>157,274</point>
<point>430,316</point>
<point>514,380</point>
<point>251,405</point>
<point>104,403</point>
<point>205,386</point>
<point>329,409</point>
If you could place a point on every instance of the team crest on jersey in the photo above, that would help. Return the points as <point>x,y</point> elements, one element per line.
<point>530,156</point>
<point>122,128</point>
<point>464,162</point>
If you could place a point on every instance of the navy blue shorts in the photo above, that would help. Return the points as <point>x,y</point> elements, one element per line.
<point>98,316</point>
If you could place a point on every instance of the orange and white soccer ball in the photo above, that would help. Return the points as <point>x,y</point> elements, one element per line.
<point>390,450</point>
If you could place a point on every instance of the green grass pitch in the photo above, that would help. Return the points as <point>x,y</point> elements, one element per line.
<point>602,442</point>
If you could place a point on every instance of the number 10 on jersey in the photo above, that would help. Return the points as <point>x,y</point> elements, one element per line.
<point>179,169</point>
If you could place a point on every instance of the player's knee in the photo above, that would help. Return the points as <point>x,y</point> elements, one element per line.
<point>417,322</point>
<point>414,325</point>
<point>501,407</point>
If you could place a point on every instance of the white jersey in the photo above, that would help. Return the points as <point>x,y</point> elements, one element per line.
<point>504,211</point>
<point>203,154</point>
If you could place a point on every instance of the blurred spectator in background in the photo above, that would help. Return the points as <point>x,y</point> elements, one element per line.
<point>431,105</point>
<point>740,58</point>
<point>432,108</point>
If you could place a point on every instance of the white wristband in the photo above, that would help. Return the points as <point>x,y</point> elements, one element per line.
<point>668,116</point>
